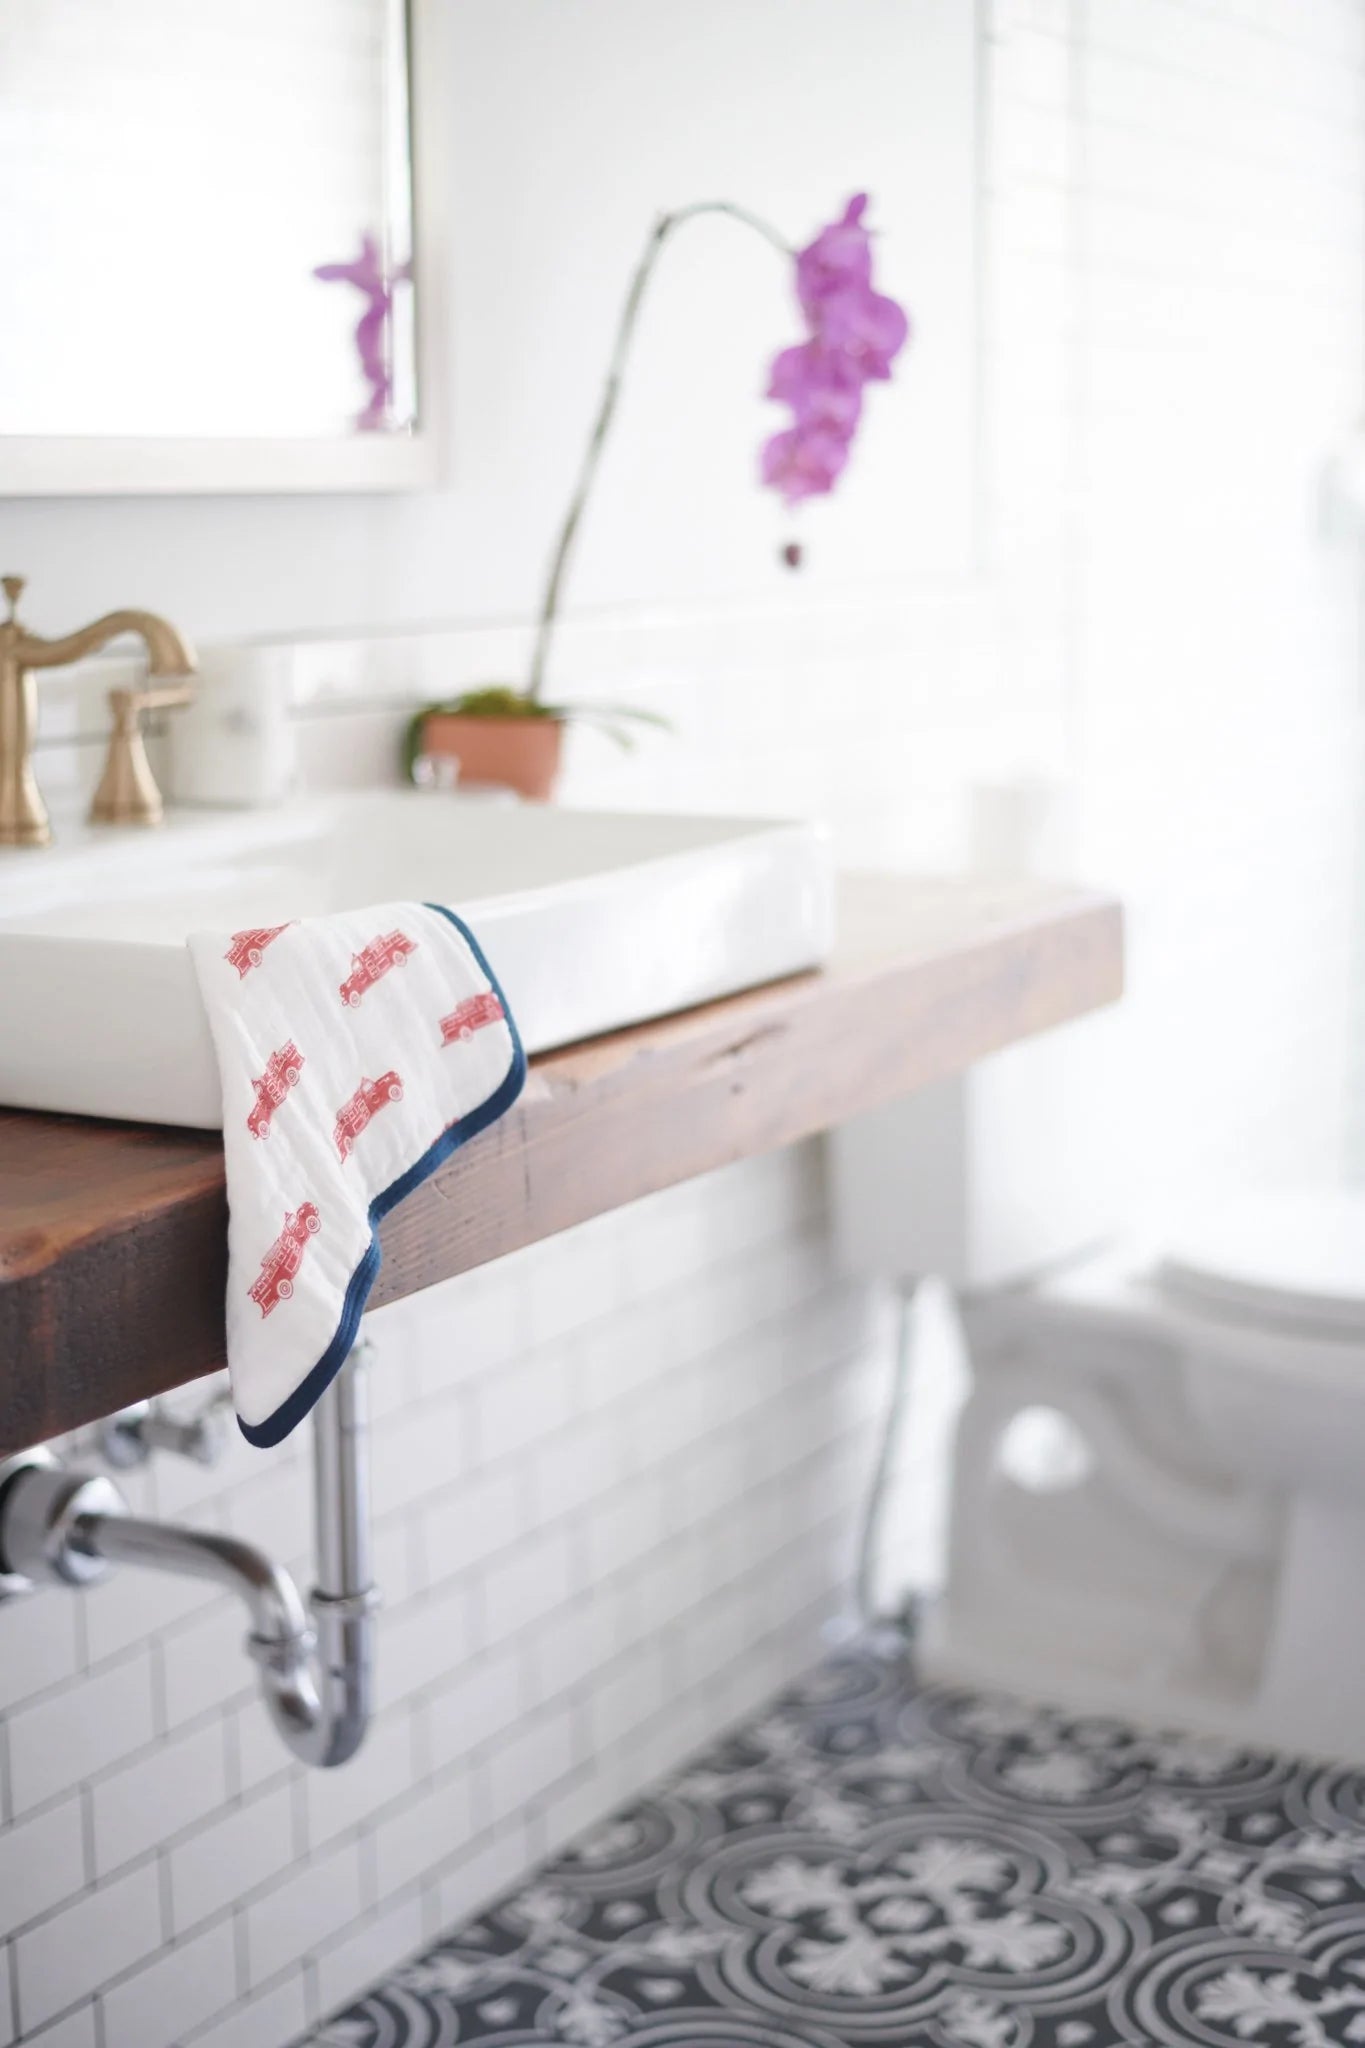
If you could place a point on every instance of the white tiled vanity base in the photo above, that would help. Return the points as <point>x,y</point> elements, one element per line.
<point>616,1482</point>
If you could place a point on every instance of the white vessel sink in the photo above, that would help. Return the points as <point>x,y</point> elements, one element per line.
<point>591,920</point>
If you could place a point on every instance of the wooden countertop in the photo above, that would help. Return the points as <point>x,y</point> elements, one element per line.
<point>113,1251</point>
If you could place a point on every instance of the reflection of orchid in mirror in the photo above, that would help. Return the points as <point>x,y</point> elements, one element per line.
<point>372,335</point>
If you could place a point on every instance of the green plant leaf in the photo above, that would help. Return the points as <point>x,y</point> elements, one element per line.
<point>497,700</point>
<point>603,712</point>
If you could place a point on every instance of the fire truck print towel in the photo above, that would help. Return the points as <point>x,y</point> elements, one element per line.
<point>282,1071</point>
<point>345,1084</point>
<point>388,949</point>
<point>470,1016</point>
<point>282,1261</point>
<point>247,949</point>
<point>355,1114</point>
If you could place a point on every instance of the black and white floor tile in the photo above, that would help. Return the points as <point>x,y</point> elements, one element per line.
<point>867,1863</point>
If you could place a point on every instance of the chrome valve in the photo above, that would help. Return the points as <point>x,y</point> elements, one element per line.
<point>129,1438</point>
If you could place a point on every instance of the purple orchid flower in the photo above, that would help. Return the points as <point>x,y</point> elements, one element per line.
<point>839,259</point>
<point>855,334</point>
<point>804,461</point>
<point>367,273</point>
<point>822,386</point>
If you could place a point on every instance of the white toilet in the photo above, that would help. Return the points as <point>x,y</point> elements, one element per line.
<point>1158,1496</point>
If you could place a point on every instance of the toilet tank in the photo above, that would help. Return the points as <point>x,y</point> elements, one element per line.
<point>988,1177</point>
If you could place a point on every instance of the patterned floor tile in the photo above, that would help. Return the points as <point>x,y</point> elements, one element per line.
<point>871,1865</point>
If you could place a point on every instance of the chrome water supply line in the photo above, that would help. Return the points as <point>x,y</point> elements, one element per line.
<point>68,1528</point>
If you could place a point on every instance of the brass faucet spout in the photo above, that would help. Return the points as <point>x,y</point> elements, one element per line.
<point>168,653</point>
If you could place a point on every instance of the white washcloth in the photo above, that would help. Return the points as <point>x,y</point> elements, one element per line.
<point>356,1053</point>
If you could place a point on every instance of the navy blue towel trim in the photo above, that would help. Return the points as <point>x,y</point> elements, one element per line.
<point>291,1412</point>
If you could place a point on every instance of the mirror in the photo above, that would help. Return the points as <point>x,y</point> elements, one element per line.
<point>209,227</point>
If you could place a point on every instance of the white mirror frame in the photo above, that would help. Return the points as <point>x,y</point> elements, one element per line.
<point>51,466</point>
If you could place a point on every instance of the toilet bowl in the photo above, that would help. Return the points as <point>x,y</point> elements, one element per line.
<point>1158,1493</point>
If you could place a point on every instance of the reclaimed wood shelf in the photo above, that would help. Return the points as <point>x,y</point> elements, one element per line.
<point>113,1237</point>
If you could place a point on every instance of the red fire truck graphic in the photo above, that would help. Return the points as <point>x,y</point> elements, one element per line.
<point>390,949</point>
<point>470,1016</point>
<point>285,1256</point>
<point>355,1114</point>
<point>281,1074</point>
<point>247,947</point>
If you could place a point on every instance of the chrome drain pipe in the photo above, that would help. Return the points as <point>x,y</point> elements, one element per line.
<point>68,1528</point>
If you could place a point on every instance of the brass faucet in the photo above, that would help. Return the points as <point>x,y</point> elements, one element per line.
<point>127,793</point>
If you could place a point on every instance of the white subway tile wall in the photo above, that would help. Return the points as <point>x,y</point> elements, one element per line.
<point>558,1629</point>
<point>618,1476</point>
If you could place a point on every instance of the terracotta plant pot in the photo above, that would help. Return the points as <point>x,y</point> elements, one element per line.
<point>511,753</point>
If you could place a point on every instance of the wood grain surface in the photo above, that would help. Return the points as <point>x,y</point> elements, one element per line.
<point>113,1250</point>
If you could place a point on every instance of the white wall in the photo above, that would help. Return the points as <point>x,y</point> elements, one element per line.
<point>1171,194</point>
<point>1219,219</point>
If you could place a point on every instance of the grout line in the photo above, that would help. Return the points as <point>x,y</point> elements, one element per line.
<point>298,1820</point>
<point>1277,170</point>
<point>13,1989</point>
<point>87,1818</point>
<point>169,1935</point>
<point>311,1993</point>
<point>419,1737</point>
<point>1246,25</point>
<point>81,1630</point>
<point>45,1694</point>
<point>368,1857</point>
<point>161,1715</point>
<point>240,1956</point>
<point>232,1756</point>
<point>1212,81</point>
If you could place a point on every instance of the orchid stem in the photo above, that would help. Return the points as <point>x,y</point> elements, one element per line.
<point>663,227</point>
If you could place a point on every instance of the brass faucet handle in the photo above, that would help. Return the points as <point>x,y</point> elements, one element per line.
<point>167,697</point>
<point>127,793</point>
<point>13,587</point>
